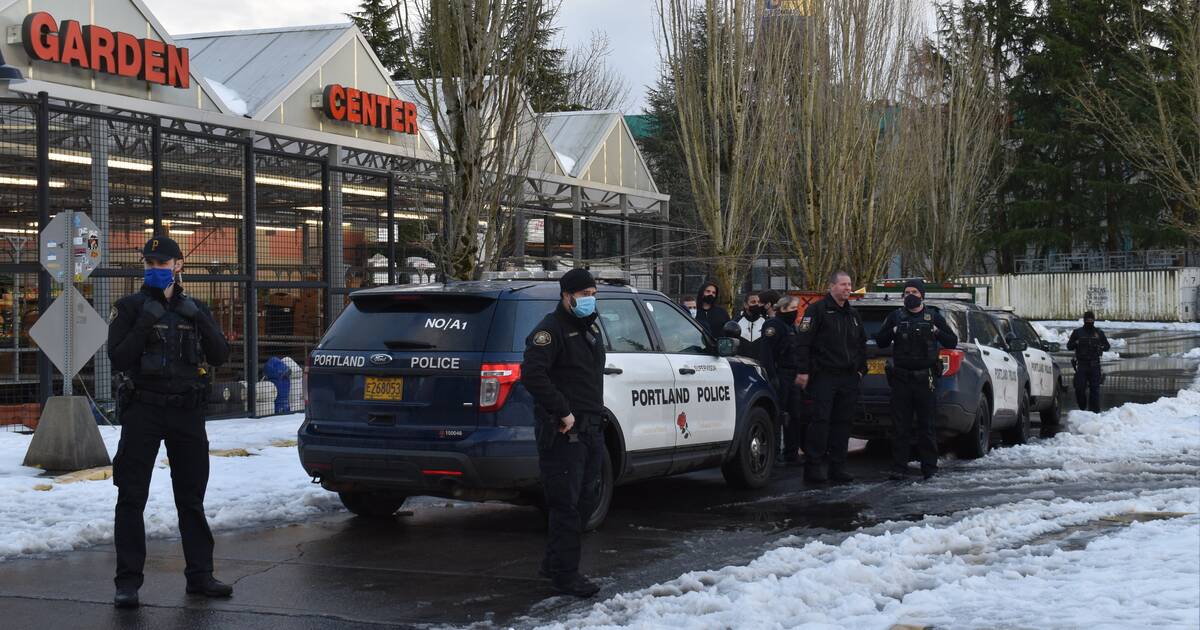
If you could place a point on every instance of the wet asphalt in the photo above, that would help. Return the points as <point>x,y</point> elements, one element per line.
<point>440,563</point>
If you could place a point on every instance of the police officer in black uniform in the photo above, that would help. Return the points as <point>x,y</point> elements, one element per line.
<point>917,332</point>
<point>160,340</point>
<point>564,372</point>
<point>777,354</point>
<point>831,360</point>
<point>1089,344</point>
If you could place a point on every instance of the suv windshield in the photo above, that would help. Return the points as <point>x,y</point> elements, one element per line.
<point>412,322</point>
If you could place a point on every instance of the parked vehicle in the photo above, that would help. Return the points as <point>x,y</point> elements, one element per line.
<point>1046,381</point>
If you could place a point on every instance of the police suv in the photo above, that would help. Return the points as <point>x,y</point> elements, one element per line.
<point>1046,384</point>
<point>983,388</point>
<point>417,391</point>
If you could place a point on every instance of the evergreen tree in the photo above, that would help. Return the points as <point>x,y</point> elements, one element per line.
<point>545,75</point>
<point>377,21</point>
<point>663,151</point>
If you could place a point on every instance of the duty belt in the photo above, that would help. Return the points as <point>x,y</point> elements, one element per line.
<point>186,399</point>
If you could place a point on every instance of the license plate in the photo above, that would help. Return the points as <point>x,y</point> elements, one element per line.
<point>383,388</point>
<point>877,366</point>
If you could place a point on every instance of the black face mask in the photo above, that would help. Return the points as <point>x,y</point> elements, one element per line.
<point>754,312</point>
<point>1089,323</point>
<point>912,301</point>
<point>788,316</point>
<point>709,299</point>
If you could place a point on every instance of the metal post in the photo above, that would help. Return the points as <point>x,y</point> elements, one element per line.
<point>623,203</point>
<point>577,226</point>
<point>45,375</point>
<point>102,295</point>
<point>156,175</point>
<point>69,302</point>
<point>326,229</point>
<point>250,336</point>
<point>391,230</point>
<point>666,250</point>
<point>335,236</point>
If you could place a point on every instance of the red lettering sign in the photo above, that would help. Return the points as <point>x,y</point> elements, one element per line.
<point>346,104</point>
<point>101,50</point>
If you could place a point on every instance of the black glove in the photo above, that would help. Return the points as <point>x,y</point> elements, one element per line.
<point>187,307</point>
<point>152,311</point>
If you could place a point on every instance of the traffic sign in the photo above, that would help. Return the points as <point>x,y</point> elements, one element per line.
<point>87,332</point>
<point>70,247</point>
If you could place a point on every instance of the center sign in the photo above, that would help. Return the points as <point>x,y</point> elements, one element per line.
<point>346,104</point>
<point>99,49</point>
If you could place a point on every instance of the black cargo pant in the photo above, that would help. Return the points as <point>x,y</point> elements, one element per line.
<point>143,427</point>
<point>571,467</point>
<point>914,401</point>
<point>835,398</point>
<point>791,400</point>
<point>1087,385</point>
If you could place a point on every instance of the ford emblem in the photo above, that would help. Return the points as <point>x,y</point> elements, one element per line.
<point>381,359</point>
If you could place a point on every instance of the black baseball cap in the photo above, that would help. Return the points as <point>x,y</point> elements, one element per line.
<point>162,249</point>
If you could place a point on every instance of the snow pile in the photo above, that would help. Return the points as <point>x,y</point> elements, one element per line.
<point>1062,335</point>
<point>265,486</point>
<point>230,96</point>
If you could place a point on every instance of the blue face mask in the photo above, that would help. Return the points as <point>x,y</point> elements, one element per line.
<point>584,306</point>
<point>159,278</point>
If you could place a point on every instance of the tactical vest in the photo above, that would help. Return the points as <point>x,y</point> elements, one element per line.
<point>1087,345</point>
<point>915,347</point>
<point>172,356</point>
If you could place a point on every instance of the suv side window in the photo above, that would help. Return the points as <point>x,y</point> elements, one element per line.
<point>1026,332</point>
<point>624,330</point>
<point>983,329</point>
<point>680,333</point>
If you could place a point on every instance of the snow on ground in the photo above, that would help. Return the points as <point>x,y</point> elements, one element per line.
<point>1062,335</point>
<point>266,486</point>
<point>1039,561</point>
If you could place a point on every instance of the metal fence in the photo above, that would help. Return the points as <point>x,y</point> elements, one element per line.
<point>1109,261</point>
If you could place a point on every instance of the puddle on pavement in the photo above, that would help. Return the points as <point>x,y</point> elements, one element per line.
<point>1077,537</point>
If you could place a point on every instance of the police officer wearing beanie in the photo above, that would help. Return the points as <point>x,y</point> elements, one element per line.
<point>916,331</point>
<point>159,341</point>
<point>564,373</point>
<point>1089,344</point>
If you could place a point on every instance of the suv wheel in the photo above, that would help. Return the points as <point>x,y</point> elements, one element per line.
<point>372,504</point>
<point>1019,433</point>
<point>1052,415</point>
<point>755,457</point>
<point>602,506</point>
<point>974,443</point>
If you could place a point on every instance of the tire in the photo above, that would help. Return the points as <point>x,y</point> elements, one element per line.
<point>372,504</point>
<point>751,465</point>
<point>975,443</point>
<point>1052,416</point>
<point>1019,433</point>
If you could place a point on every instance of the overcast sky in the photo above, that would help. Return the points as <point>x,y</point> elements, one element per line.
<point>629,24</point>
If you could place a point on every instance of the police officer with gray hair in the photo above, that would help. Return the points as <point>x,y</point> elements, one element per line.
<point>160,341</point>
<point>916,332</point>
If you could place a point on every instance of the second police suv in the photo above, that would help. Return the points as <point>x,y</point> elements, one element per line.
<point>417,391</point>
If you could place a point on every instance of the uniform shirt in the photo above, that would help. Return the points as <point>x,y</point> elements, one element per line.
<point>128,338</point>
<point>943,336</point>
<point>1088,344</point>
<point>752,329</point>
<point>831,338</point>
<point>778,347</point>
<point>564,365</point>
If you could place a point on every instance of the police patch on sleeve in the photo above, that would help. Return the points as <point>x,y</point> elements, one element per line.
<point>541,338</point>
<point>770,331</point>
<point>112,314</point>
<point>805,324</point>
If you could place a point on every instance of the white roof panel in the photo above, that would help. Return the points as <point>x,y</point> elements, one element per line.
<point>577,136</point>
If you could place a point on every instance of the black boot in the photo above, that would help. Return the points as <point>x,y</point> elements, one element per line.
<point>928,473</point>
<point>839,474</point>
<point>575,584</point>
<point>126,597</point>
<point>814,473</point>
<point>209,586</point>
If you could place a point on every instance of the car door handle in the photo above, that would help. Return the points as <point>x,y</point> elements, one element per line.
<point>1006,358</point>
<point>686,371</point>
<point>609,371</point>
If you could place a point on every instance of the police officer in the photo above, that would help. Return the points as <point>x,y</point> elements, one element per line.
<point>831,361</point>
<point>917,332</point>
<point>1089,344</point>
<point>564,372</point>
<point>159,340</point>
<point>777,355</point>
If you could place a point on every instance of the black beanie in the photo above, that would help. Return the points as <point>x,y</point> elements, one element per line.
<point>917,284</point>
<point>576,280</point>
<point>1089,315</point>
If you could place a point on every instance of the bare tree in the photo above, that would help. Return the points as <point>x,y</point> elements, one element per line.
<point>959,130</point>
<point>728,60</point>
<point>474,54</point>
<point>1166,144</point>
<point>852,182</point>
<point>591,82</point>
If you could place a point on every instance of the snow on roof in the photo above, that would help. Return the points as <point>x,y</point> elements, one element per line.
<point>256,65</point>
<point>576,136</point>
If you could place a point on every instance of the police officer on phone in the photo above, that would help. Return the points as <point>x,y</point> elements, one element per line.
<point>916,332</point>
<point>564,373</point>
<point>1089,344</point>
<point>160,341</point>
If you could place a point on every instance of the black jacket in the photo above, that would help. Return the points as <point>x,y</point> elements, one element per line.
<point>713,320</point>
<point>941,336</point>
<point>777,350</point>
<point>831,338</point>
<point>564,366</point>
<point>132,337</point>
<point>1088,344</point>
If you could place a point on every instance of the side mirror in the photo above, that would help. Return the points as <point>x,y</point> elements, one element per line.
<point>731,330</point>
<point>1015,343</point>
<point>728,346</point>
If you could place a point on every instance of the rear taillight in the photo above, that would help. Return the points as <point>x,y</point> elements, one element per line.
<point>951,361</point>
<point>496,380</point>
<point>307,364</point>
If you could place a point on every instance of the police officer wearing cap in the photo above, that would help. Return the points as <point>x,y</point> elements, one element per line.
<point>160,340</point>
<point>916,332</point>
<point>563,371</point>
<point>778,358</point>
<point>1089,344</point>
